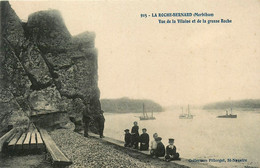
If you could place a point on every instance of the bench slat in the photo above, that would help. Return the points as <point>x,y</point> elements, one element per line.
<point>26,143</point>
<point>12,143</point>
<point>58,157</point>
<point>33,141</point>
<point>15,139</point>
<point>19,143</point>
<point>40,144</point>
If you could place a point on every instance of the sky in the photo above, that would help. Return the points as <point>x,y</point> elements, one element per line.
<point>172,64</point>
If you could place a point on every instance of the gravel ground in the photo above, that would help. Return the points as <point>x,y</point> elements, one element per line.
<point>28,161</point>
<point>91,152</point>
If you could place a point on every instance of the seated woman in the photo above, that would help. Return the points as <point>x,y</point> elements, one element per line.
<point>171,153</point>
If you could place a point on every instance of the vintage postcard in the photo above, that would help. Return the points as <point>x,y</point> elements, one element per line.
<point>115,83</point>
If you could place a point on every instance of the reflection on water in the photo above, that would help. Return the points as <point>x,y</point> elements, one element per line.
<point>203,137</point>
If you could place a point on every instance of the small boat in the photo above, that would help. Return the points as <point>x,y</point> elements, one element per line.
<point>228,115</point>
<point>186,116</point>
<point>145,115</point>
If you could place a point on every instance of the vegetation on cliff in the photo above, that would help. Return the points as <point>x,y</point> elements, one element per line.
<point>246,104</point>
<point>124,105</point>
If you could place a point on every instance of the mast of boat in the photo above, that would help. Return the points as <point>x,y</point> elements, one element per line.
<point>231,104</point>
<point>188,110</point>
<point>143,110</point>
<point>146,114</point>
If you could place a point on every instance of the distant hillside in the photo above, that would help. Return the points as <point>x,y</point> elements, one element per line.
<point>124,105</point>
<point>249,103</point>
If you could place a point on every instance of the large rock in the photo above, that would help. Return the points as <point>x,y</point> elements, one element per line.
<point>36,67</point>
<point>48,30</point>
<point>80,76</point>
<point>45,101</point>
<point>11,112</point>
<point>50,74</point>
<point>13,79</point>
<point>11,27</point>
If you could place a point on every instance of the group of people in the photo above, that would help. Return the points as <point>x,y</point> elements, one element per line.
<point>132,139</point>
<point>157,148</point>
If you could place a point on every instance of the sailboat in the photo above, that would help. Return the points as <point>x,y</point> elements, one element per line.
<point>145,115</point>
<point>228,115</point>
<point>186,116</point>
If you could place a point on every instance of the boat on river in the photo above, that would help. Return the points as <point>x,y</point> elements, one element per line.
<point>145,115</point>
<point>230,115</point>
<point>187,115</point>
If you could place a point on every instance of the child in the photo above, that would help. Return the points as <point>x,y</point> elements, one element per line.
<point>153,144</point>
<point>144,140</point>
<point>135,135</point>
<point>127,138</point>
<point>171,153</point>
<point>160,150</point>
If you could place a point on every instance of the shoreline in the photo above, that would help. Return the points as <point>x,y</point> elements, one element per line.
<point>108,152</point>
<point>129,112</point>
<point>93,152</point>
<point>177,163</point>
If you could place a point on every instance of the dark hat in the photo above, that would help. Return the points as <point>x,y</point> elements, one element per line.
<point>171,140</point>
<point>144,129</point>
<point>126,130</point>
<point>158,139</point>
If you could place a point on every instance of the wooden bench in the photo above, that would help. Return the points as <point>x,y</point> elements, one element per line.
<point>17,142</point>
<point>30,142</point>
<point>58,158</point>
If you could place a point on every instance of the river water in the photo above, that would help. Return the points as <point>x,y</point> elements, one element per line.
<point>203,137</point>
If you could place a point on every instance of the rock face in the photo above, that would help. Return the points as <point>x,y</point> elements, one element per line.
<point>46,75</point>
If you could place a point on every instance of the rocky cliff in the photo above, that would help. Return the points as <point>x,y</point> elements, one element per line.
<point>47,76</point>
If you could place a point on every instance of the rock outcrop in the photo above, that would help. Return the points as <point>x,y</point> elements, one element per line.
<point>46,75</point>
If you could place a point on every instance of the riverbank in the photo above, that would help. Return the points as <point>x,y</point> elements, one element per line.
<point>92,152</point>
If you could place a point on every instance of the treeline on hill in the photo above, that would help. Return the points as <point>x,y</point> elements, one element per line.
<point>125,105</point>
<point>249,103</point>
